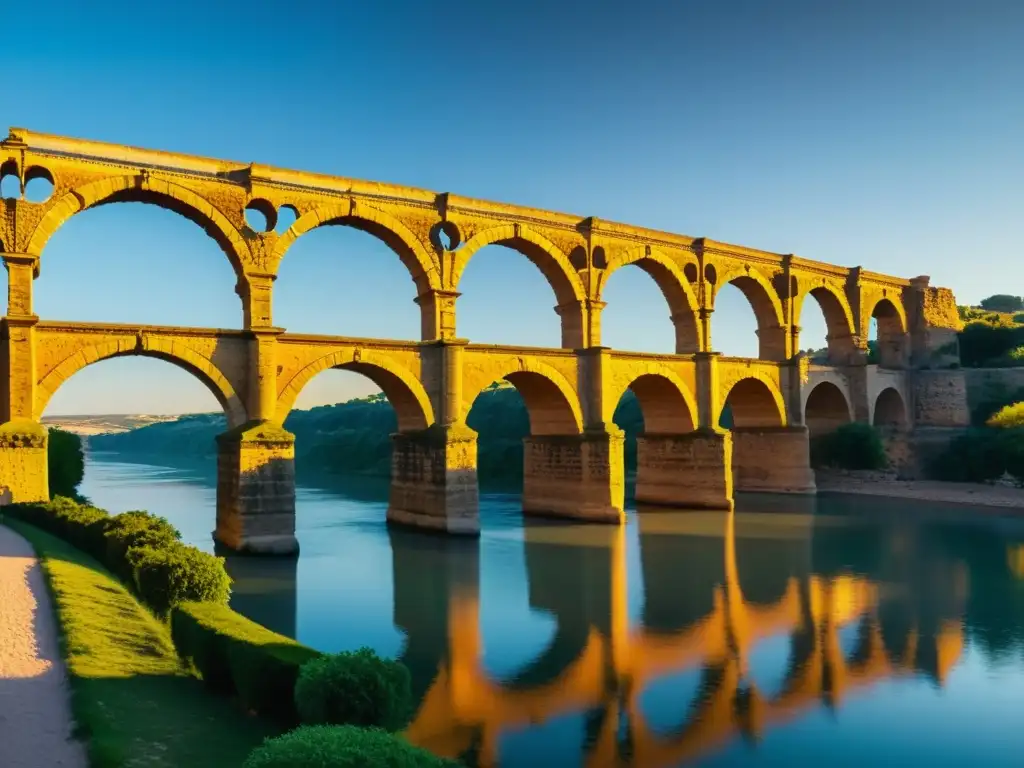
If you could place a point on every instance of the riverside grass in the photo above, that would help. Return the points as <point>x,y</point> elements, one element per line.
<point>133,701</point>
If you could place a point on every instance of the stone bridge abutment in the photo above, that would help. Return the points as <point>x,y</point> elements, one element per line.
<point>713,424</point>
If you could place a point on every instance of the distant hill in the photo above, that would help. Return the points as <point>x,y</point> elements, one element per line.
<point>104,424</point>
<point>354,438</point>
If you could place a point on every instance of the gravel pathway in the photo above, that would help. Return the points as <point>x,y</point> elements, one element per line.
<point>35,717</point>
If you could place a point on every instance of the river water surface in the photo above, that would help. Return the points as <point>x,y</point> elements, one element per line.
<point>836,631</point>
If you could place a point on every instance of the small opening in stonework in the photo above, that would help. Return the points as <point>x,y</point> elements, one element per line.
<point>10,184</point>
<point>260,215</point>
<point>711,274</point>
<point>690,271</point>
<point>38,185</point>
<point>286,216</point>
<point>600,260</point>
<point>446,236</point>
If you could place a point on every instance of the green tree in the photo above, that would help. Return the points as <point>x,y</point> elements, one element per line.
<point>1002,302</point>
<point>65,462</point>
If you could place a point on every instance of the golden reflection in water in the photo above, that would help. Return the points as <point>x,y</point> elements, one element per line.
<point>598,662</point>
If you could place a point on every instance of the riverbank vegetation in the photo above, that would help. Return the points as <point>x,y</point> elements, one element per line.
<point>136,673</point>
<point>993,333</point>
<point>65,462</point>
<point>132,700</point>
<point>355,437</point>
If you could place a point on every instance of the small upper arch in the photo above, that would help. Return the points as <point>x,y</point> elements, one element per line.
<point>381,225</point>
<point>554,264</point>
<point>144,188</point>
<point>402,389</point>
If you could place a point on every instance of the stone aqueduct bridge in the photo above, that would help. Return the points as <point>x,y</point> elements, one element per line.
<point>574,453</point>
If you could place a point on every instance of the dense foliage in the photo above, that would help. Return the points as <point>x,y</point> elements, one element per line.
<point>238,656</point>
<point>65,462</point>
<point>981,455</point>
<point>851,446</point>
<point>340,746</point>
<point>355,437</point>
<point>141,549</point>
<point>133,702</point>
<point>992,338</point>
<point>357,688</point>
<point>1002,302</point>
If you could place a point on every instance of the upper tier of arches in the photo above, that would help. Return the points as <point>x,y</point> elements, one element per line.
<point>436,236</point>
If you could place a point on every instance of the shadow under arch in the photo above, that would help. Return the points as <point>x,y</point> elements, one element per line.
<point>889,409</point>
<point>754,403</point>
<point>182,357</point>
<point>826,410</point>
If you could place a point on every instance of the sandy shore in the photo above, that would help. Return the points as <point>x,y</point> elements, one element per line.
<point>35,717</point>
<point>881,484</point>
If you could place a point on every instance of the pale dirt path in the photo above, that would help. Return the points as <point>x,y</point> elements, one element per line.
<point>35,717</point>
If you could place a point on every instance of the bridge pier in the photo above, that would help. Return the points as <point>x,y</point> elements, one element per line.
<point>772,460</point>
<point>23,462</point>
<point>256,490</point>
<point>580,477</point>
<point>433,480</point>
<point>692,470</point>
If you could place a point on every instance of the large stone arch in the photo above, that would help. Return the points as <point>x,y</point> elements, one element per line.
<point>403,390</point>
<point>674,286</point>
<point>187,359</point>
<point>826,409</point>
<point>893,342</point>
<point>548,258</point>
<point>889,409</point>
<point>767,307</point>
<point>667,405</point>
<point>389,230</point>
<point>551,401</point>
<point>754,402</point>
<point>144,188</point>
<point>839,321</point>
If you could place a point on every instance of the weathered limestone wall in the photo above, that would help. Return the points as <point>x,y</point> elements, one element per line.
<point>988,383</point>
<point>23,466</point>
<point>256,490</point>
<point>772,460</point>
<point>940,399</point>
<point>581,477</point>
<point>433,480</point>
<point>692,470</point>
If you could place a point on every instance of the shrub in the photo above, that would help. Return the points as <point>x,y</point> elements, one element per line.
<point>357,688</point>
<point>341,746</point>
<point>234,654</point>
<point>1018,318</point>
<point>135,529</point>
<point>176,574</point>
<point>852,446</point>
<point>975,457</point>
<point>1008,417</point>
<point>65,462</point>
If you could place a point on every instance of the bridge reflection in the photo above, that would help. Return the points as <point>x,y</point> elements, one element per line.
<point>716,586</point>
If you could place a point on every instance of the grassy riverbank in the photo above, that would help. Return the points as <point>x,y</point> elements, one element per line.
<point>132,699</point>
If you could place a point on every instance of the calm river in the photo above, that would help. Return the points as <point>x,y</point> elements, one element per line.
<point>796,632</point>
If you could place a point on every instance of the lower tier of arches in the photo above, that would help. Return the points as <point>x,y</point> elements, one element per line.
<point>434,485</point>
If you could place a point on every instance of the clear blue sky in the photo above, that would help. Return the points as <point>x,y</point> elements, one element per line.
<point>879,133</point>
